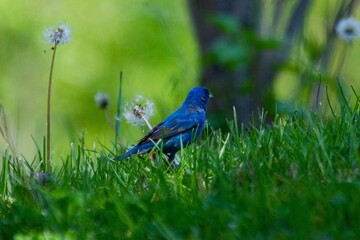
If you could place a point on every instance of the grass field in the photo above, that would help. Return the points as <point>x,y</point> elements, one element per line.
<point>297,178</point>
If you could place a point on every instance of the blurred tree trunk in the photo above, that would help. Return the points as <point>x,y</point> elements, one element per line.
<point>346,9</point>
<point>249,87</point>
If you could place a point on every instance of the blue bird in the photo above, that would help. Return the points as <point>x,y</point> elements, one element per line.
<point>179,129</point>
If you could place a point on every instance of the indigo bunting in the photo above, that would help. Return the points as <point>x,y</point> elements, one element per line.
<point>179,129</point>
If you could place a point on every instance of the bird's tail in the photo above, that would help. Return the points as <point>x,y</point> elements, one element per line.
<point>129,153</point>
<point>138,149</point>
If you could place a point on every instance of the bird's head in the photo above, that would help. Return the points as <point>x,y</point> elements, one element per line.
<point>198,95</point>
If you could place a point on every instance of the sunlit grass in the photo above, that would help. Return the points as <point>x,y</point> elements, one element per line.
<point>296,178</point>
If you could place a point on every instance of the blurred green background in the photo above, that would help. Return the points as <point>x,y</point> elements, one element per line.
<point>152,42</point>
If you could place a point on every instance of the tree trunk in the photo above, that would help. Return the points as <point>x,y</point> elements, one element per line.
<point>248,88</point>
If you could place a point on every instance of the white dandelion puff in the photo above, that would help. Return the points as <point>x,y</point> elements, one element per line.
<point>348,29</point>
<point>102,100</point>
<point>139,111</point>
<point>58,34</point>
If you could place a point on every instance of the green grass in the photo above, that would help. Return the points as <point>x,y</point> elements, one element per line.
<point>297,178</point>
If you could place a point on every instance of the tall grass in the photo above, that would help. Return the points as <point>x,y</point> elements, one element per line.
<point>296,178</point>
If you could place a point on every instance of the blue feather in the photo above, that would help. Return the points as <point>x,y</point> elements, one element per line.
<point>181,128</point>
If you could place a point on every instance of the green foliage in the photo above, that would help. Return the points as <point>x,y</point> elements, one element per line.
<point>237,45</point>
<point>150,41</point>
<point>298,178</point>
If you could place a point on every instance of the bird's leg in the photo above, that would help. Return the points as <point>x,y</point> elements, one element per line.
<point>175,165</point>
<point>171,161</point>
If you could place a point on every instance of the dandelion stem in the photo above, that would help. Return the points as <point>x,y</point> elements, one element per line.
<point>109,118</point>
<point>146,121</point>
<point>341,59</point>
<point>48,122</point>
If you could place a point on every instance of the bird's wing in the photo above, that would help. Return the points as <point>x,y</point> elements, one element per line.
<point>167,129</point>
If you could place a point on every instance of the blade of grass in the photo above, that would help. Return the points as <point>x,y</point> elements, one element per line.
<point>328,99</point>
<point>5,174</point>
<point>345,101</point>
<point>118,115</point>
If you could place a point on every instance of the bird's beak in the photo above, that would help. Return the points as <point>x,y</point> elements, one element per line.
<point>211,95</point>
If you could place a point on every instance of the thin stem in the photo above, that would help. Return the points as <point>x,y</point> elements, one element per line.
<point>146,121</point>
<point>109,118</point>
<point>341,59</point>
<point>318,103</point>
<point>48,124</point>
<point>118,113</point>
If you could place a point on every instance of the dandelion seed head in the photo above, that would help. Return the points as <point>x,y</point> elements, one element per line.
<point>58,34</point>
<point>138,110</point>
<point>102,100</point>
<point>348,29</point>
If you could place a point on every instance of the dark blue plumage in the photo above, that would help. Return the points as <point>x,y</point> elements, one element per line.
<point>185,124</point>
